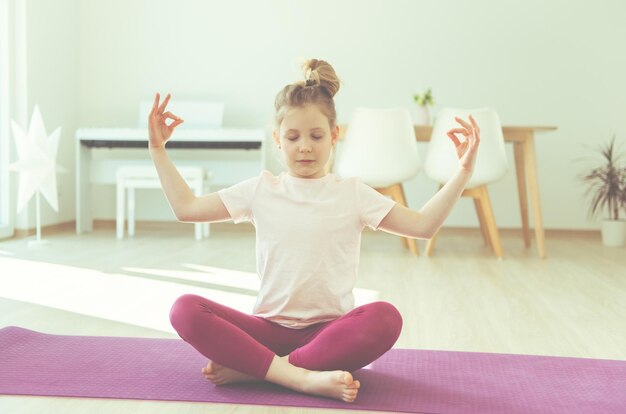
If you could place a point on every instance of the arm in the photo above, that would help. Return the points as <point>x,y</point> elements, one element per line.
<point>425,222</point>
<point>186,206</point>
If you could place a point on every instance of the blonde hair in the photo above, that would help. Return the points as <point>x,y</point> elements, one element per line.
<point>319,86</point>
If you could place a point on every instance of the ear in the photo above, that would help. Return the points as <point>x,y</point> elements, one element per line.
<point>276,137</point>
<point>334,134</point>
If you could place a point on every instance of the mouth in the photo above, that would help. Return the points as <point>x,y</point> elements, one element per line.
<point>305,161</point>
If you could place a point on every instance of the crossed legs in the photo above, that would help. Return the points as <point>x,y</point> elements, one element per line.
<point>316,360</point>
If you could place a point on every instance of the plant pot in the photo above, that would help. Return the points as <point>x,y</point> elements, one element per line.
<point>614,233</point>
<point>422,115</point>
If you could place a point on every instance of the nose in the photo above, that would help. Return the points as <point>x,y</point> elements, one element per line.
<point>305,147</point>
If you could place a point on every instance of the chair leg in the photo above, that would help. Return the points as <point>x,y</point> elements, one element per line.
<point>119,217</point>
<point>131,211</point>
<point>490,221</point>
<point>430,245</point>
<point>411,243</point>
<point>486,218</point>
<point>481,221</point>
<point>396,192</point>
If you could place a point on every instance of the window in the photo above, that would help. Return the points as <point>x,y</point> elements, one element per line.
<point>7,26</point>
<point>5,221</point>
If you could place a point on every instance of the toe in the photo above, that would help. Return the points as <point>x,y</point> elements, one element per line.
<point>348,398</point>
<point>350,393</point>
<point>215,367</point>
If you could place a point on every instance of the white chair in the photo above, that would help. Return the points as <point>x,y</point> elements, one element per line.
<point>442,163</point>
<point>131,177</point>
<point>380,148</point>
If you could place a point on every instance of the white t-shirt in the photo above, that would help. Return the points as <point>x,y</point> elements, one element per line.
<point>308,238</point>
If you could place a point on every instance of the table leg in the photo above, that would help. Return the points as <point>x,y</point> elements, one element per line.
<point>518,150</point>
<point>84,221</point>
<point>533,188</point>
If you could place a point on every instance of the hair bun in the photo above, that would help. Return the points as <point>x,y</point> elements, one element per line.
<point>319,72</point>
<point>319,86</point>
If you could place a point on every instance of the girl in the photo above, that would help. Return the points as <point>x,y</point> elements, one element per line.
<point>305,333</point>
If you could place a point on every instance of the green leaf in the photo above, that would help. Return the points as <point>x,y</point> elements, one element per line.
<point>607,183</point>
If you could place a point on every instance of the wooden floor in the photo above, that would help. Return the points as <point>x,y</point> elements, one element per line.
<point>571,304</point>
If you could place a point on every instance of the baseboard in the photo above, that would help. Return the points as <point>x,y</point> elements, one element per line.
<point>172,226</point>
<point>70,226</point>
<point>509,231</point>
<point>49,229</point>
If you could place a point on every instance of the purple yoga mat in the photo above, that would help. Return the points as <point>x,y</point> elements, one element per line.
<point>417,381</point>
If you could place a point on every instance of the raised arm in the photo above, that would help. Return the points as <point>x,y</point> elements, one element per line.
<point>424,223</point>
<point>186,206</point>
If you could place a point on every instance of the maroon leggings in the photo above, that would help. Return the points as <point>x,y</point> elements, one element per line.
<point>248,343</point>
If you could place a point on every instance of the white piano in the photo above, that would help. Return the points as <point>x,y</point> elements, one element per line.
<point>235,153</point>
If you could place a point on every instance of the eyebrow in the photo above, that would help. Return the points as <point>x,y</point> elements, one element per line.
<point>312,129</point>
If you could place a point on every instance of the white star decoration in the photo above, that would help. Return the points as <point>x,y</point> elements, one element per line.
<point>36,152</point>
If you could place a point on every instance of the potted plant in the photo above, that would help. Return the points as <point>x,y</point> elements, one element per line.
<point>607,188</point>
<point>424,101</point>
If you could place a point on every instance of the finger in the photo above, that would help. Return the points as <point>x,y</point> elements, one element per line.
<point>177,120</point>
<point>463,131</point>
<point>176,123</point>
<point>471,134</point>
<point>462,122</point>
<point>476,129</point>
<point>473,121</point>
<point>164,104</point>
<point>170,115</point>
<point>156,103</point>
<point>454,139</point>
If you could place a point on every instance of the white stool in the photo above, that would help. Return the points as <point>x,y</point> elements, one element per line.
<point>145,176</point>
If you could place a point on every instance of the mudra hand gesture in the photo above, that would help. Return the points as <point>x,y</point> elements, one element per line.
<point>160,132</point>
<point>467,150</point>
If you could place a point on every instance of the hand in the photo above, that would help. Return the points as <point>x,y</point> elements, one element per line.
<point>160,132</point>
<point>467,150</point>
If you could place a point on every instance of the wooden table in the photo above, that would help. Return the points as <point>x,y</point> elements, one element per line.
<point>523,140</point>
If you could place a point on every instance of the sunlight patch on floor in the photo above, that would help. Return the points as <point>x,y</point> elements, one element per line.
<point>116,297</point>
<point>207,274</point>
<point>126,298</point>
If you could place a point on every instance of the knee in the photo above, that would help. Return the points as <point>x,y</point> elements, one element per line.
<point>388,322</point>
<point>182,313</point>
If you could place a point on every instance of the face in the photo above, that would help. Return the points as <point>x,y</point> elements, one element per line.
<point>306,140</point>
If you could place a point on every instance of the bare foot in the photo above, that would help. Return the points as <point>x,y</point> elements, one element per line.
<point>221,375</point>
<point>334,384</point>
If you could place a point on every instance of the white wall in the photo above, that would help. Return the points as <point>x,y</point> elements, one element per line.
<point>51,32</point>
<point>537,63</point>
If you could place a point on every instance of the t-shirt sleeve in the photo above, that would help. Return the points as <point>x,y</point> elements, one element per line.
<point>373,206</point>
<point>238,199</point>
